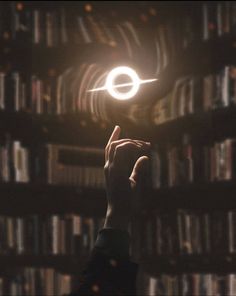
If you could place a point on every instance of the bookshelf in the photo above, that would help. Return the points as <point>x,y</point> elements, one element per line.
<point>204,49</point>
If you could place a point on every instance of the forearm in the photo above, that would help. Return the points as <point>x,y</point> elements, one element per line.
<point>110,271</point>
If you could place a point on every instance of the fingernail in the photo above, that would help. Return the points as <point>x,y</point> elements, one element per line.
<point>148,143</point>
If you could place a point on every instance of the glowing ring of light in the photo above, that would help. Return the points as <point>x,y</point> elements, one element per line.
<point>110,86</point>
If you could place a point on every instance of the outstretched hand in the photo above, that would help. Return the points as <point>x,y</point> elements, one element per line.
<point>125,163</point>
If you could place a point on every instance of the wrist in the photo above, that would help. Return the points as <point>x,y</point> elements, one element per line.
<point>116,220</point>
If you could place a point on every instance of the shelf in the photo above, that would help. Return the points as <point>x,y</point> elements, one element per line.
<point>79,130</point>
<point>22,199</point>
<point>71,128</point>
<point>206,263</point>
<point>205,126</point>
<point>170,264</point>
<point>60,262</point>
<point>208,196</point>
<point>45,199</point>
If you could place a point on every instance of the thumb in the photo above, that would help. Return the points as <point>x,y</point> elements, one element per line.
<point>140,168</point>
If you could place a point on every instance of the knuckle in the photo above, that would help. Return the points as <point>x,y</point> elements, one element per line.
<point>106,166</point>
<point>118,149</point>
<point>129,145</point>
<point>112,145</point>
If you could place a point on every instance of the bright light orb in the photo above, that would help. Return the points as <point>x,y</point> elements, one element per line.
<point>112,88</point>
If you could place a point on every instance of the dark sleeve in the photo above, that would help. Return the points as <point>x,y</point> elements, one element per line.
<point>109,271</point>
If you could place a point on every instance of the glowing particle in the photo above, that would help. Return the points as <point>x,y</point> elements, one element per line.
<point>19,6</point>
<point>95,288</point>
<point>113,262</point>
<point>88,7</point>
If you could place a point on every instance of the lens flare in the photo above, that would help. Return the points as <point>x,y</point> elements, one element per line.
<point>111,87</point>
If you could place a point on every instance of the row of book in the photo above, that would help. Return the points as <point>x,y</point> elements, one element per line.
<point>69,25</point>
<point>187,163</point>
<point>30,281</point>
<point>52,164</point>
<point>83,166</point>
<point>196,94</point>
<point>33,94</point>
<point>66,24</point>
<point>204,284</point>
<point>67,234</point>
<point>187,232</point>
<point>65,93</point>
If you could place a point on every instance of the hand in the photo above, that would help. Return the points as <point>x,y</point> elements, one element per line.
<point>125,161</point>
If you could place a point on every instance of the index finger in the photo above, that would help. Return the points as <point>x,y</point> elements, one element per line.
<point>115,135</point>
